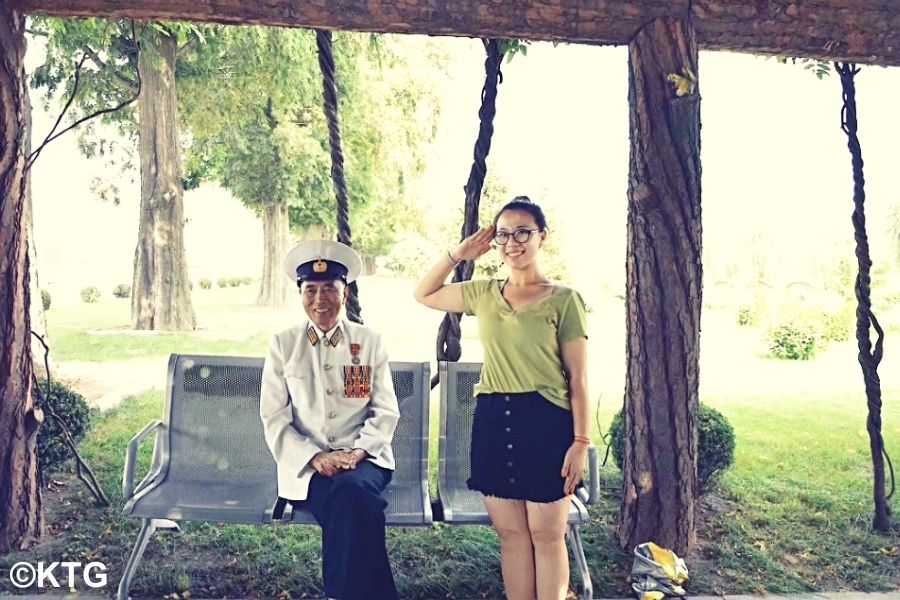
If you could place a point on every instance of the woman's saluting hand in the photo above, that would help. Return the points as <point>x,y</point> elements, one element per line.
<point>475,245</point>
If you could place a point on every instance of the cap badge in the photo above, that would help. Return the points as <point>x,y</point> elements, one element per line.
<point>320,266</point>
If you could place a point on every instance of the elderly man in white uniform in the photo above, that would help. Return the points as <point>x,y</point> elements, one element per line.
<point>329,412</point>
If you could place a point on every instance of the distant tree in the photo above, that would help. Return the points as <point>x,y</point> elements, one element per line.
<point>101,66</point>
<point>252,100</point>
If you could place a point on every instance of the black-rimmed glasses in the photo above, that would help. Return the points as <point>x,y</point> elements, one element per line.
<point>520,235</point>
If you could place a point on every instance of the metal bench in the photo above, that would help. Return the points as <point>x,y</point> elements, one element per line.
<point>461,505</point>
<point>211,463</point>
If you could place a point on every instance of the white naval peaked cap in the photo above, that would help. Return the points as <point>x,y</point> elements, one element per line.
<point>322,260</point>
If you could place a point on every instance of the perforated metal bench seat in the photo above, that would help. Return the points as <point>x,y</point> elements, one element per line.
<point>211,462</point>
<point>464,507</point>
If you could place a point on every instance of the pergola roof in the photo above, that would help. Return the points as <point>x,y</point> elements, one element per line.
<point>864,31</point>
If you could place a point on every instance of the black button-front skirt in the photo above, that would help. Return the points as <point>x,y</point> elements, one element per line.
<point>519,442</point>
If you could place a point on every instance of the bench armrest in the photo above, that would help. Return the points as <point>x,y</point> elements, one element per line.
<point>592,494</point>
<point>131,457</point>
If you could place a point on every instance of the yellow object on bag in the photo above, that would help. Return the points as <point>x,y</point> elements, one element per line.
<point>672,566</point>
<point>657,572</point>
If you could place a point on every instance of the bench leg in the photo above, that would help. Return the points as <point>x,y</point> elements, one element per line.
<point>148,528</point>
<point>581,561</point>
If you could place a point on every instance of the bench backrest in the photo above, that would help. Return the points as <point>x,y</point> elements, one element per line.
<point>457,411</point>
<point>215,432</point>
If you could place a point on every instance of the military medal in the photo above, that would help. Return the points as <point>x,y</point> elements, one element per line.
<point>357,381</point>
<point>354,350</point>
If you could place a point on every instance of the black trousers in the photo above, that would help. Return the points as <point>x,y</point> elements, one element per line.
<point>349,508</point>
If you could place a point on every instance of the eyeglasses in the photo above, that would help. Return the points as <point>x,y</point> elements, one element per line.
<point>520,235</point>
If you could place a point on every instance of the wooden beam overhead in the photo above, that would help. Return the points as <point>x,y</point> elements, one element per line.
<point>863,31</point>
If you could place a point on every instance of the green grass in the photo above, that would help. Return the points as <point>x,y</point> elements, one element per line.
<point>793,514</point>
<point>798,501</point>
<point>100,332</point>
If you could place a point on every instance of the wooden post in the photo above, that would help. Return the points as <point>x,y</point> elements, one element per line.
<point>20,518</point>
<point>664,282</point>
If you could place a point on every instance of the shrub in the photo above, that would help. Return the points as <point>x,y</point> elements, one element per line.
<point>234,281</point>
<point>205,284</point>
<point>716,443</point>
<point>411,257</point>
<point>45,299</point>
<point>836,327</point>
<point>793,340</point>
<point>73,409</point>
<point>222,282</point>
<point>90,294</point>
<point>246,280</point>
<point>747,316</point>
<point>123,290</point>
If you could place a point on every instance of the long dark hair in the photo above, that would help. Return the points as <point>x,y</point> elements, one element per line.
<point>524,203</point>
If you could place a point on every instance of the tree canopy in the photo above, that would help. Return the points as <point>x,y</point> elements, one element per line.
<point>251,99</point>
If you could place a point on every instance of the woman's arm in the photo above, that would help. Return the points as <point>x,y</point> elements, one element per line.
<point>574,359</point>
<point>433,291</point>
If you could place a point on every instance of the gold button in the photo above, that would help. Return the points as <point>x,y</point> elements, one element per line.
<point>331,415</point>
<point>327,367</point>
<point>330,438</point>
<point>329,391</point>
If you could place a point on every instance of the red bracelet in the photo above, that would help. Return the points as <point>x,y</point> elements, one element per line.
<point>580,439</point>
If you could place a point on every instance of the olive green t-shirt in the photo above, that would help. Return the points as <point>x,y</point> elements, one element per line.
<point>522,345</point>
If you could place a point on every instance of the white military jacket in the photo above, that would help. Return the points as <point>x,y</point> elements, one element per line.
<point>316,398</point>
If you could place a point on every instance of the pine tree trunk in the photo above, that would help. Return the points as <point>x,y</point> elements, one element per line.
<point>664,280</point>
<point>275,288</point>
<point>161,296</point>
<point>20,497</point>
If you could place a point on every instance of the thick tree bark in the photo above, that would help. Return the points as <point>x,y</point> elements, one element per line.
<point>664,279</point>
<point>275,288</point>
<point>161,296</point>
<point>863,31</point>
<point>20,498</point>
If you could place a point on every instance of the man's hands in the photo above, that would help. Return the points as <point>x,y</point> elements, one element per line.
<point>337,461</point>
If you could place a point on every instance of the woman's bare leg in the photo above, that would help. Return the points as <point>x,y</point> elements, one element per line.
<point>547,524</point>
<point>510,521</point>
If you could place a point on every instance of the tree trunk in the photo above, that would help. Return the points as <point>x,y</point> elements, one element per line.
<point>369,265</point>
<point>275,288</point>
<point>664,280</point>
<point>161,296</point>
<point>315,232</point>
<point>20,497</point>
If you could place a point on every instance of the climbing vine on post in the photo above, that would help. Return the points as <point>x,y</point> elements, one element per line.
<point>869,358</point>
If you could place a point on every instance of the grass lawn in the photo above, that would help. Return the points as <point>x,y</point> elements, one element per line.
<point>793,514</point>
